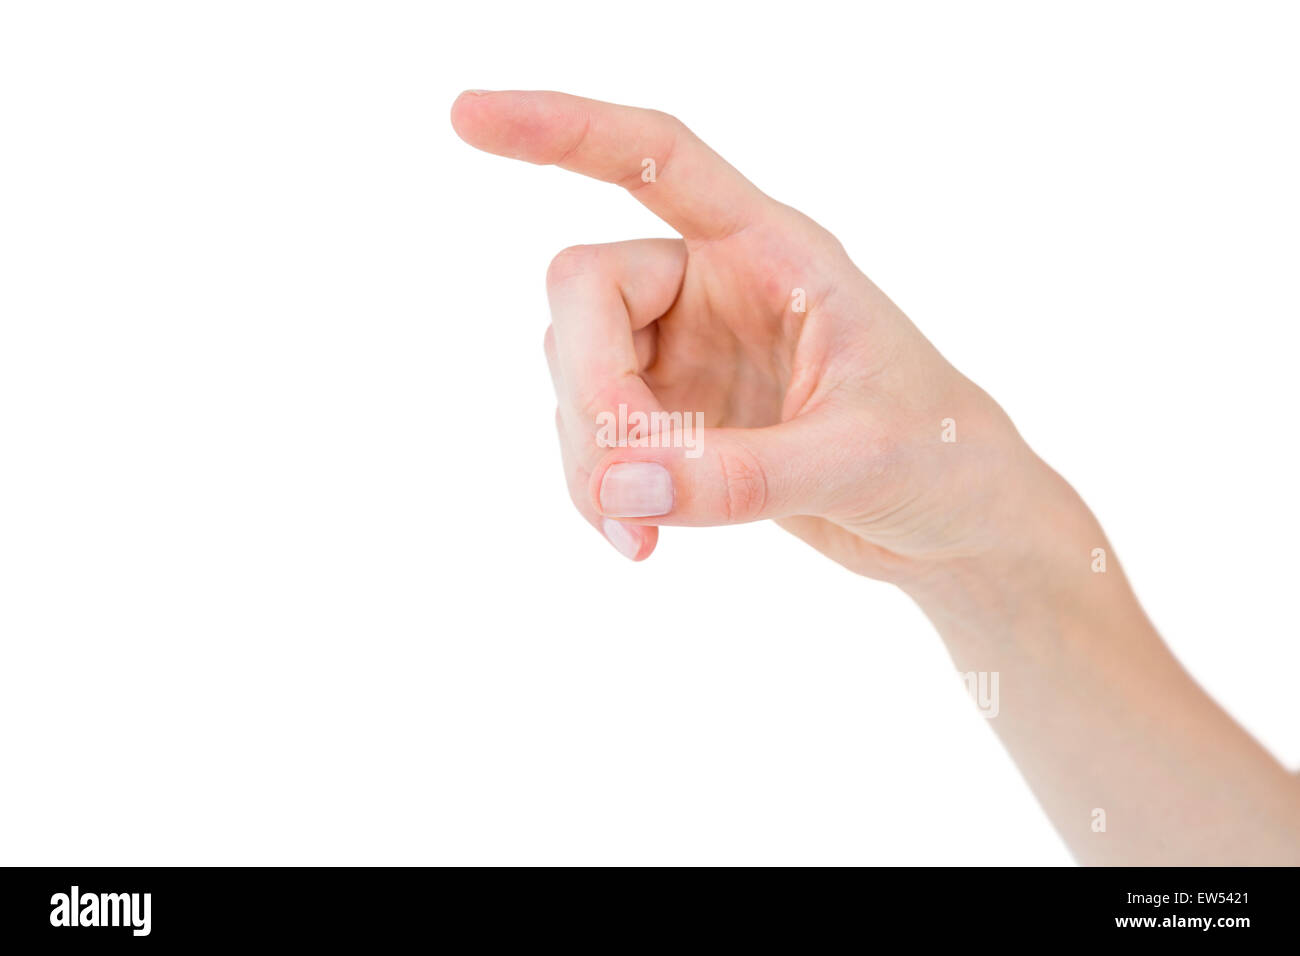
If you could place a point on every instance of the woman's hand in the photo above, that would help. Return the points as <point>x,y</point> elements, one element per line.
<point>828,411</point>
<point>825,408</point>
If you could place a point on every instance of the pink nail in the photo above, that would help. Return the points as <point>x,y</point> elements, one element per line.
<point>627,541</point>
<point>636,489</point>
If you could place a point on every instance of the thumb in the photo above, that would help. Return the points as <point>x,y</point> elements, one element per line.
<point>722,476</point>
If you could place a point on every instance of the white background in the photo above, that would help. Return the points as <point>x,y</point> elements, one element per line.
<point>288,573</point>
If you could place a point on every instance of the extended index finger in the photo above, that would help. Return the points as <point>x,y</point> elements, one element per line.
<point>651,154</point>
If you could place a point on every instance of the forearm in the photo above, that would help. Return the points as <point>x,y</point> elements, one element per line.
<point>1093,707</point>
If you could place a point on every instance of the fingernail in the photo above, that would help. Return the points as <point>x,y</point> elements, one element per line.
<point>636,489</point>
<point>622,537</point>
<point>475,92</point>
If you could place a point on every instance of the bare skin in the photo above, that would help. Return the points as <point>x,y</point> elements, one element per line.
<point>837,421</point>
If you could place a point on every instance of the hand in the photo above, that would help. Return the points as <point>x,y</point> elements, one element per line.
<point>826,409</point>
<point>833,421</point>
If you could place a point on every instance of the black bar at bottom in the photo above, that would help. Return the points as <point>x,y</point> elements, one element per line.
<point>97,908</point>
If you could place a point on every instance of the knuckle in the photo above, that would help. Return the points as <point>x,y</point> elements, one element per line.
<point>744,483</point>
<point>576,481</point>
<point>571,263</point>
<point>670,121</point>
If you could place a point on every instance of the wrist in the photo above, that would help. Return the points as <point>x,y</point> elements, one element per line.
<point>1042,558</point>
